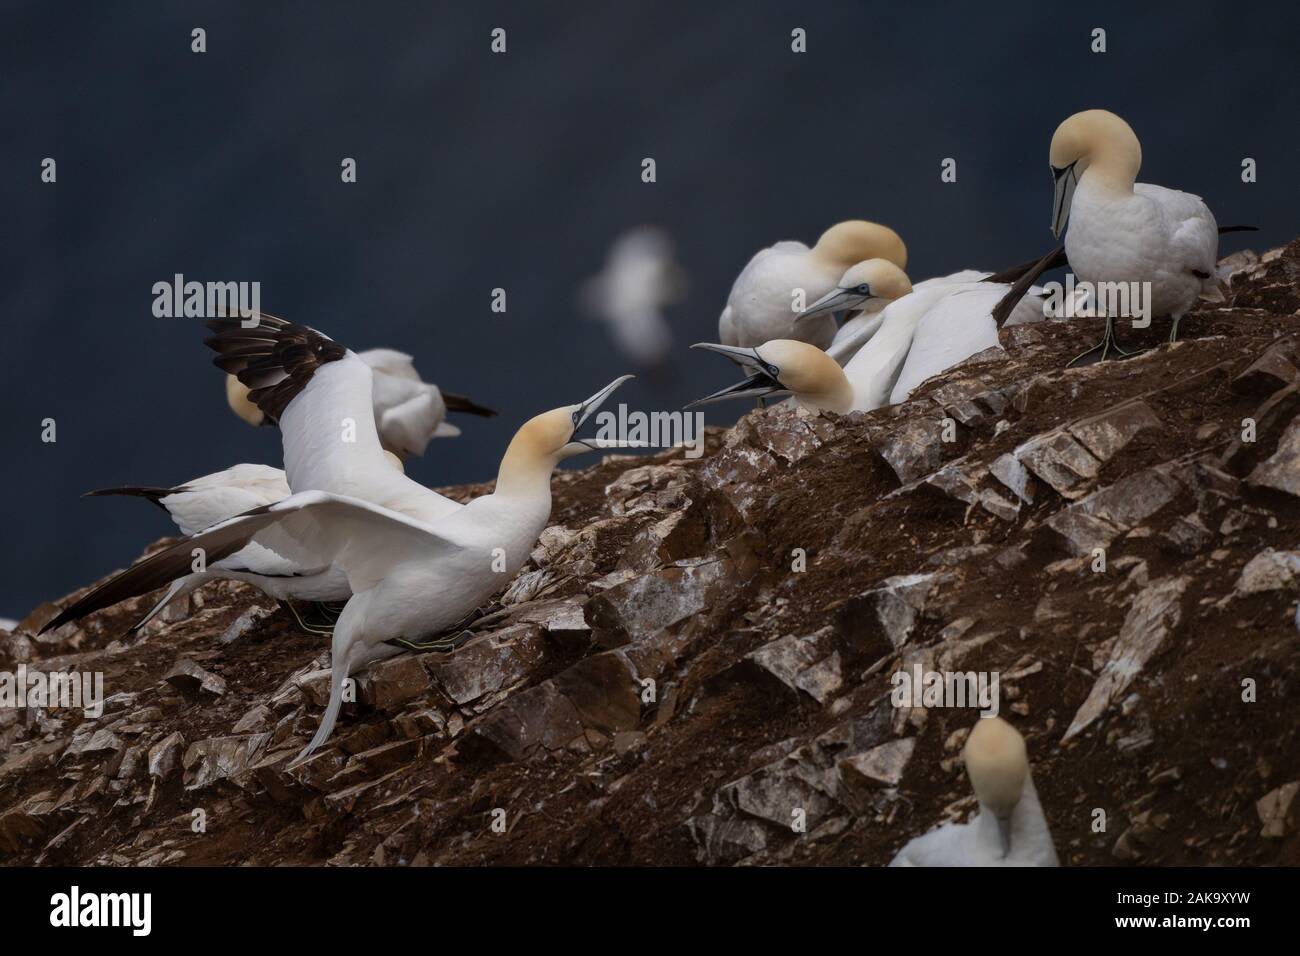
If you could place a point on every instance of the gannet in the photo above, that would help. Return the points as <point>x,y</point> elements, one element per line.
<point>851,293</point>
<point>640,278</point>
<point>202,502</point>
<point>416,563</point>
<point>1010,829</point>
<point>919,333</point>
<point>408,411</point>
<point>1125,231</point>
<point>760,306</point>
<point>815,378</point>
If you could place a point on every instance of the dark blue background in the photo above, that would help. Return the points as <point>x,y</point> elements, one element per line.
<point>478,170</point>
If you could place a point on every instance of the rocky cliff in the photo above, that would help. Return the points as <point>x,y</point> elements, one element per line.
<point>696,664</point>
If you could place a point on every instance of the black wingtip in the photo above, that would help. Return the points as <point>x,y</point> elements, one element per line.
<point>459,403</point>
<point>1226,229</point>
<point>152,494</point>
<point>1007,304</point>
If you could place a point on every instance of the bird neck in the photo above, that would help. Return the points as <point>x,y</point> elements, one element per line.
<point>525,472</point>
<point>834,395</point>
<point>1115,165</point>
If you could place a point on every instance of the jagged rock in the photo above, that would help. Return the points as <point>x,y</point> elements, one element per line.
<point>220,758</point>
<point>652,602</point>
<point>721,839</point>
<point>1104,515</point>
<point>1281,470</point>
<point>486,664</point>
<point>1106,434</point>
<point>255,719</point>
<point>1060,462</point>
<point>244,624</point>
<point>1274,369</point>
<point>165,755</point>
<point>537,717</point>
<point>389,685</point>
<point>806,663</point>
<point>913,450</point>
<point>191,679</point>
<point>881,766</point>
<point>562,618</point>
<point>1151,619</point>
<point>1274,809</point>
<point>894,608</point>
<point>1269,571</point>
<point>102,740</point>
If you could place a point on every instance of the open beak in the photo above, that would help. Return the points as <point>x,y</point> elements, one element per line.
<point>837,300</point>
<point>757,383</point>
<point>1066,180</point>
<point>585,411</point>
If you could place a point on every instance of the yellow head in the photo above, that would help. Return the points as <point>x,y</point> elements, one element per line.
<point>1096,140</point>
<point>997,764</point>
<point>855,240</point>
<point>237,399</point>
<point>864,285</point>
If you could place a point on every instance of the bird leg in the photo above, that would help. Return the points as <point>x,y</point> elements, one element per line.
<point>1107,343</point>
<point>316,629</point>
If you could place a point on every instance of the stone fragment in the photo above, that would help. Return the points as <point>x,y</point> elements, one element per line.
<point>1152,618</point>
<point>1106,434</point>
<point>390,684</point>
<point>246,623</point>
<point>1281,470</point>
<point>488,663</point>
<point>1060,462</point>
<point>1104,515</point>
<point>1269,571</point>
<point>807,663</point>
<point>913,449</point>
<point>191,679</point>
<point>1274,809</point>
<point>652,602</point>
<point>220,758</point>
<point>881,766</point>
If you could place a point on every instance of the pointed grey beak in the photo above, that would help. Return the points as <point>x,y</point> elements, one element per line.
<point>576,446</point>
<point>1066,180</point>
<point>758,382</point>
<point>591,405</point>
<point>837,300</point>
<point>1004,832</point>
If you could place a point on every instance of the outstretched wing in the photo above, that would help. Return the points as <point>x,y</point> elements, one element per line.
<point>312,528</point>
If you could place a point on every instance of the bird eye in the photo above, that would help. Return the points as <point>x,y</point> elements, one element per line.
<point>574,417</point>
<point>771,370</point>
<point>864,289</point>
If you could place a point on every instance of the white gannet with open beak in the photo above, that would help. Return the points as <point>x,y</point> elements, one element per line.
<point>409,412</point>
<point>1010,829</point>
<point>919,333</point>
<point>853,292</point>
<point>1125,231</point>
<point>639,280</point>
<point>415,566</point>
<point>202,502</point>
<point>760,306</point>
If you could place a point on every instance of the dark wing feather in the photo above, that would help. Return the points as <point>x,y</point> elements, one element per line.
<point>275,359</point>
<point>153,494</point>
<point>1007,304</point>
<point>459,403</point>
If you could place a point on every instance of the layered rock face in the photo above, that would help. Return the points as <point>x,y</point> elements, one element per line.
<point>697,664</point>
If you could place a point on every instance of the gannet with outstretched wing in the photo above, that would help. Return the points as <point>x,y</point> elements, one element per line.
<point>416,562</point>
